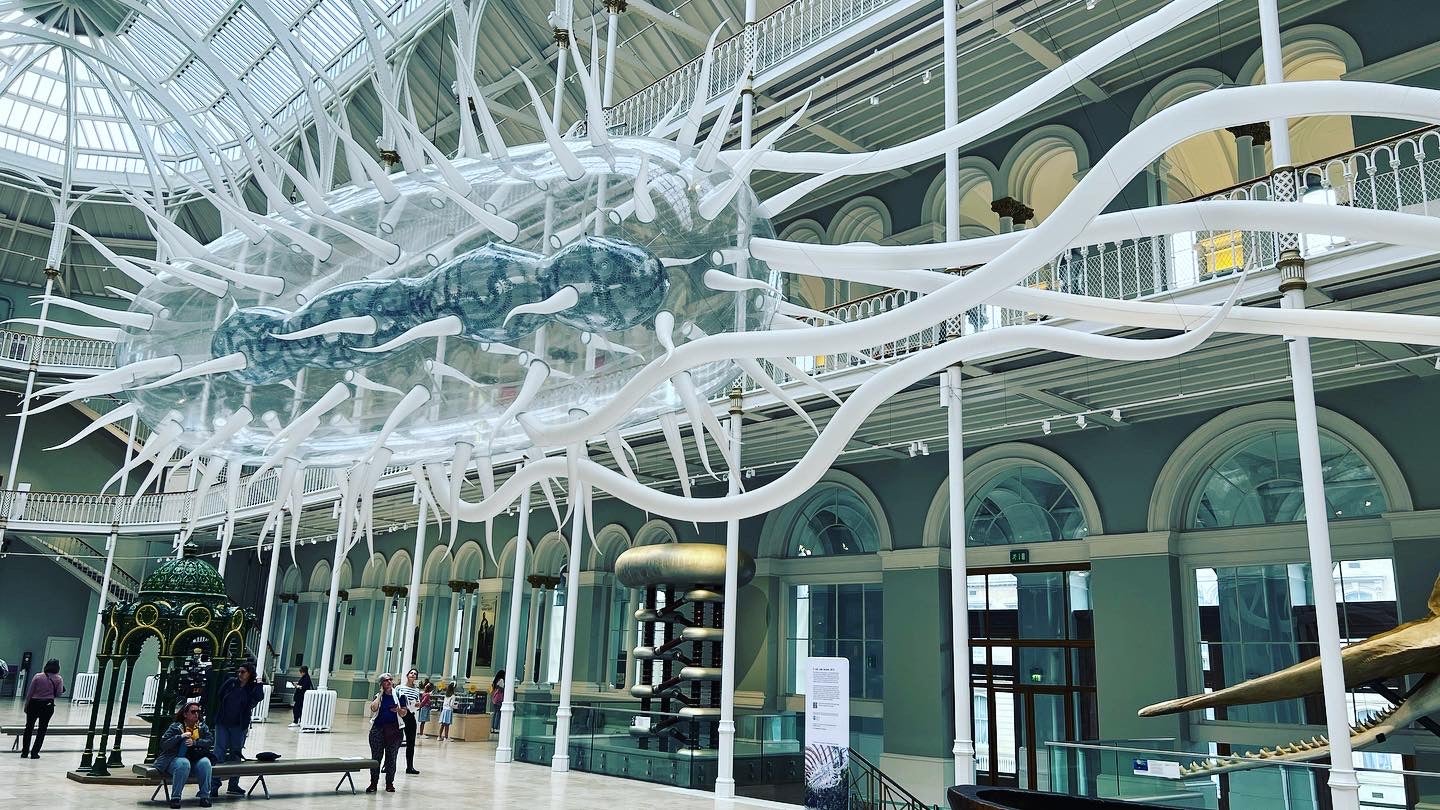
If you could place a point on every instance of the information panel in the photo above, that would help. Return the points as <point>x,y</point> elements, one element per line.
<point>827,734</point>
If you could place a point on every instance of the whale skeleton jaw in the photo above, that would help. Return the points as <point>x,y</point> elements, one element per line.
<point>1375,728</point>
<point>1412,648</point>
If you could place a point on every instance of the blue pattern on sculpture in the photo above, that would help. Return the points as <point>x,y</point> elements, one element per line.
<point>619,285</point>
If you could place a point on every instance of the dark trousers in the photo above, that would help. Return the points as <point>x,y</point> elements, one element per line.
<point>384,749</point>
<point>229,742</point>
<point>299,704</point>
<point>410,741</point>
<point>36,711</point>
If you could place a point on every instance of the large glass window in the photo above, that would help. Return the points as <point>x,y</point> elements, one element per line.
<point>1025,503</point>
<point>1257,482</point>
<point>834,520</point>
<point>1258,619</point>
<point>621,620</point>
<point>842,621</point>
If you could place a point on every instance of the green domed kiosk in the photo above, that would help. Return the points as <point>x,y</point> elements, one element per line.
<point>183,605</point>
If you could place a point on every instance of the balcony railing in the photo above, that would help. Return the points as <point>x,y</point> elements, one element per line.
<point>787,31</point>
<point>52,353</point>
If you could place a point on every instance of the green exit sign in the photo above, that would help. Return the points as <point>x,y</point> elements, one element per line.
<point>1019,555</point>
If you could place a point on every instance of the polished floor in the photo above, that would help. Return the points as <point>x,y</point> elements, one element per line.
<point>453,775</point>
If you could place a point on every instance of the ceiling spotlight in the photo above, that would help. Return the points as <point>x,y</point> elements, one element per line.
<point>913,449</point>
<point>1115,414</point>
<point>874,101</point>
<point>924,449</point>
<point>1045,426</point>
<point>925,77</point>
<point>1080,420</point>
<point>1090,5</point>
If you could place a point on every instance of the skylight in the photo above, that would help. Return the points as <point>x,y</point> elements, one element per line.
<point>115,56</point>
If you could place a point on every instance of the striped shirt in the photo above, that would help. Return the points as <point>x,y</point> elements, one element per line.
<point>410,694</point>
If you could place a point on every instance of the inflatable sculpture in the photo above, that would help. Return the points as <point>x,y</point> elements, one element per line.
<point>1411,649</point>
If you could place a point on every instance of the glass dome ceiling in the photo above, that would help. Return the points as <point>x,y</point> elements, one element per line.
<point>117,81</point>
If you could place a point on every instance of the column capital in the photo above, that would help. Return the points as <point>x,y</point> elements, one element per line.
<point>288,597</point>
<point>393,591</point>
<point>1018,212</point>
<point>615,6</point>
<point>459,585</point>
<point>1259,132</point>
<point>543,582</point>
<point>562,37</point>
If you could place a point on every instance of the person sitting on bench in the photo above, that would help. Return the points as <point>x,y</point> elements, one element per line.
<point>185,748</point>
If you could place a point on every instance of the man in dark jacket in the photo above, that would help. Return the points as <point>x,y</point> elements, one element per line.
<point>238,697</point>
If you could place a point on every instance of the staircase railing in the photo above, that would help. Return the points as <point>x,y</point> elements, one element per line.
<point>73,553</point>
<point>872,789</point>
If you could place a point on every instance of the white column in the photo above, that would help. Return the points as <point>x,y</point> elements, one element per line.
<point>457,620</point>
<point>964,747</point>
<point>561,760</point>
<point>1344,787</point>
<point>50,274</point>
<point>504,752</point>
<point>725,773</point>
<point>262,653</point>
<point>952,117</point>
<point>110,543</point>
<point>1271,50</point>
<point>412,609</point>
<point>611,31</point>
<point>327,640</point>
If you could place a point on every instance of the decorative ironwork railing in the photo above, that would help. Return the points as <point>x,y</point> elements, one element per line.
<point>84,560</point>
<point>55,353</point>
<point>787,31</point>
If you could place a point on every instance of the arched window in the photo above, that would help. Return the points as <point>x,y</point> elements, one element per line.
<point>1026,503</point>
<point>1315,53</point>
<point>1199,164</point>
<point>1042,167</point>
<point>833,521</point>
<point>863,219</point>
<point>977,192</point>
<point>807,291</point>
<point>1257,483</point>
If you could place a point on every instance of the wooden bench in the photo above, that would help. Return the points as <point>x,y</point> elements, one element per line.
<point>18,732</point>
<point>280,767</point>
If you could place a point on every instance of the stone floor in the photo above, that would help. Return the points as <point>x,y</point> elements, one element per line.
<point>453,775</point>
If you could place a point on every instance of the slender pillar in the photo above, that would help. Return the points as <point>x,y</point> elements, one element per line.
<point>561,760</point>
<point>952,117</point>
<point>262,651</point>
<point>412,607</point>
<point>110,543</point>
<point>327,641</point>
<point>1271,50</point>
<point>504,751</point>
<point>115,759</point>
<point>964,746</point>
<point>50,275</point>
<point>725,773</point>
<point>456,620</point>
<point>1344,787</point>
<point>386,654</point>
<point>87,757</point>
<point>614,8</point>
<point>560,19</point>
<point>99,766</point>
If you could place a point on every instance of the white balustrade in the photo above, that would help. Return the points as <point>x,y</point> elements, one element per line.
<point>318,712</point>
<point>151,695</point>
<point>261,712</point>
<point>83,690</point>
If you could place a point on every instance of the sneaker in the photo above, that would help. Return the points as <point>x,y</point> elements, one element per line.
<point>175,804</point>
<point>371,788</point>
<point>235,790</point>
<point>204,801</point>
<point>34,756</point>
<point>294,725</point>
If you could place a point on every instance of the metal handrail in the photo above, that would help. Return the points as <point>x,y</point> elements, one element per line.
<point>873,789</point>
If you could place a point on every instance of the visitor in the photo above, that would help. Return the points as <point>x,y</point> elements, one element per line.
<point>447,711</point>
<point>185,748</point>
<point>426,693</point>
<point>409,697</point>
<point>45,687</point>
<point>497,699</point>
<point>385,733</point>
<point>239,696</point>
<point>301,687</point>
